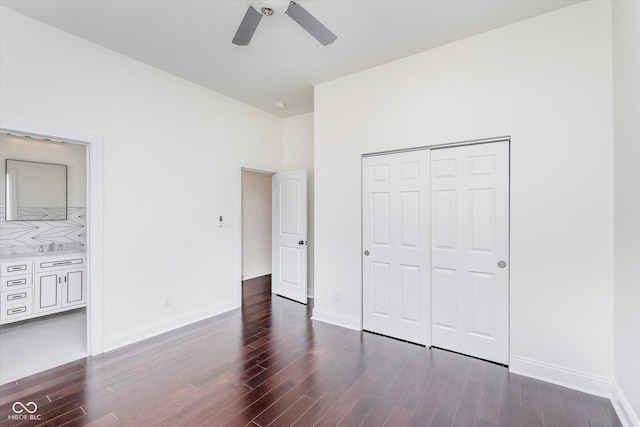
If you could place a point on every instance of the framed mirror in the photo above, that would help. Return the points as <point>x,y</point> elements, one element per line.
<point>35,191</point>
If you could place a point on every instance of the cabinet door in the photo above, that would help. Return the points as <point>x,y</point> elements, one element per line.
<point>74,287</point>
<point>47,292</point>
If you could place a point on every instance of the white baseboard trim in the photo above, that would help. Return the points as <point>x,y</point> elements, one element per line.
<point>623,408</point>
<point>562,376</point>
<point>254,274</point>
<point>338,319</point>
<point>165,325</point>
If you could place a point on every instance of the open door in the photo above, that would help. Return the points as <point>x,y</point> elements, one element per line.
<point>289,277</point>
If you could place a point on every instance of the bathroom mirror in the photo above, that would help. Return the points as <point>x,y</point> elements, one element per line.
<point>35,191</point>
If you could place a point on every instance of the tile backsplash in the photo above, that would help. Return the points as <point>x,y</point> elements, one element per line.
<point>25,237</point>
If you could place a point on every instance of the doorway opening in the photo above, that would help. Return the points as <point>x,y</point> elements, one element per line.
<point>288,231</point>
<point>256,230</point>
<point>43,246</point>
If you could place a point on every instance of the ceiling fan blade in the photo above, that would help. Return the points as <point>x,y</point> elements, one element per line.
<point>247,27</point>
<point>310,24</point>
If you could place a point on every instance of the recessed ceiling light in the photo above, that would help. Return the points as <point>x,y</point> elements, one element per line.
<point>280,105</point>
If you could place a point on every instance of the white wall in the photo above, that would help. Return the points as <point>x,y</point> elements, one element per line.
<point>72,155</point>
<point>546,82</point>
<point>172,150</point>
<point>256,224</point>
<point>298,154</point>
<point>626,71</point>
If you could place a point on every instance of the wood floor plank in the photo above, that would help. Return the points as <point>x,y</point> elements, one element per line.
<point>269,364</point>
<point>426,408</point>
<point>530,390</point>
<point>105,421</point>
<point>531,414</point>
<point>453,391</point>
<point>552,410</point>
<point>322,406</point>
<point>399,417</point>
<point>282,404</point>
<point>294,412</point>
<point>443,416</point>
<point>470,397</point>
<point>510,401</point>
<point>489,407</point>
<point>379,415</point>
<point>573,409</point>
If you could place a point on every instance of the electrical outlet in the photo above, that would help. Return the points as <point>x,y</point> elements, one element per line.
<point>338,296</point>
<point>167,300</point>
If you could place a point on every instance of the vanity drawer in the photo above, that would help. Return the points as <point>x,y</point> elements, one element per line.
<point>16,304</point>
<point>12,283</point>
<point>58,263</point>
<point>12,268</point>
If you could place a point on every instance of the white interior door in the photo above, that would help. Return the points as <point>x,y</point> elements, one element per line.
<point>395,261</point>
<point>470,249</point>
<point>289,278</point>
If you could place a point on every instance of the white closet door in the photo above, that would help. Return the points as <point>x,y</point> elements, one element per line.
<point>395,209</point>
<point>470,249</point>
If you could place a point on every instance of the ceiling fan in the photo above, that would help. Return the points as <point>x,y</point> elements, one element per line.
<point>296,12</point>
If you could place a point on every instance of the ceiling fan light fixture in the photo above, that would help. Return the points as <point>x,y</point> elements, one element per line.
<point>267,11</point>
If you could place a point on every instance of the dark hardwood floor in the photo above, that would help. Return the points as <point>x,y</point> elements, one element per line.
<point>269,364</point>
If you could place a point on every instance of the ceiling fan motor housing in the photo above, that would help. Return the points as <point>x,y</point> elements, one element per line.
<point>276,7</point>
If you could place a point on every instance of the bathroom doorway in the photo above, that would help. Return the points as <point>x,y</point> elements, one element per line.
<point>52,324</point>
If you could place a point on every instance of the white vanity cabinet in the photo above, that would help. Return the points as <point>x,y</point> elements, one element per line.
<point>42,285</point>
<point>60,282</point>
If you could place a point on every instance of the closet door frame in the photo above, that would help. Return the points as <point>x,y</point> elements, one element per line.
<point>432,147</point>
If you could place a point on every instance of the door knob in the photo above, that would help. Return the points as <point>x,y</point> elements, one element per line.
<point>301,242</point>
<point>502,264</point>
<point>366,253</point>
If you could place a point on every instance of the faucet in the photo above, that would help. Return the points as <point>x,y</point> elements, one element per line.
<point>52,246</point>
<point>59,246</point>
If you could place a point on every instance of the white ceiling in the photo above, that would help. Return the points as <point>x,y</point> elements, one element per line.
<point>192,38</point>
